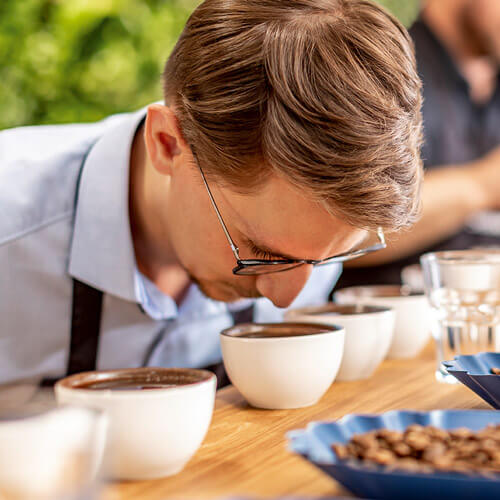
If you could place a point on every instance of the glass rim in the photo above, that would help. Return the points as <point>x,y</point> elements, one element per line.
<point>469,256</point>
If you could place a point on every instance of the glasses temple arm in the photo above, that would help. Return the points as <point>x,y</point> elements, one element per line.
<point>234,248</point>
<point>381,236</point>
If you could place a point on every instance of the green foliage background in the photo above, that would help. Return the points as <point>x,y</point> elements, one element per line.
<point>80,60</point>
<point>405,10</point>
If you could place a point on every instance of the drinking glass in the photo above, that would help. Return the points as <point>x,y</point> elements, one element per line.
<point>463,288</point>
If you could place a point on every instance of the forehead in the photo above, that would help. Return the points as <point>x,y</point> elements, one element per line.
<point>282,216</point>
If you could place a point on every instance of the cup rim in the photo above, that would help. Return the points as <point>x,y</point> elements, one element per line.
<point>379,292</point>
<point>340,310</point>
<point>72,382</point>
<point>236,331</point>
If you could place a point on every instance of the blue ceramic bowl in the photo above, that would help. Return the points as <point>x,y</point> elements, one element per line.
<point>475,372</point>
<point>314,444</point>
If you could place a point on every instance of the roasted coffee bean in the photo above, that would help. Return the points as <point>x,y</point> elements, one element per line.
<point>461,433</point>
<point>418,440</point>
<point>364,441</point>
<point>383,457</point>
<point>482,457</point>
<point>390,437</point>
<point>402,449</point>
<point>433,452</point>
<point>438,433</point>
<point>415,428</point>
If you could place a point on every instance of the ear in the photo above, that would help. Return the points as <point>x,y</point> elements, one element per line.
<point>164,140</point>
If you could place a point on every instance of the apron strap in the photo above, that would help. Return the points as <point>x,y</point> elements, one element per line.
<point>85,328</point>
<point>85,331</point>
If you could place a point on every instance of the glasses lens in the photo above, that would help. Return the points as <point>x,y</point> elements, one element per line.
<point>251,269</point>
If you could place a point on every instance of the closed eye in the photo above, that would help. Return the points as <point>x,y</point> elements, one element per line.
<point>263,254</point>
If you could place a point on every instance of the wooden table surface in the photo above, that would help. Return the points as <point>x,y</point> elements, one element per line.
<point>244,452</point>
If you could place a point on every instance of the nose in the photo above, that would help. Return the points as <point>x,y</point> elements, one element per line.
<point>282,288</point>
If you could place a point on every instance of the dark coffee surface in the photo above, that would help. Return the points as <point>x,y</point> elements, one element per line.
<point>123,385</point>
<point>261,335</point>
<point>281,332</point>
<point>403,293</point>
<point>137,379</point>
<point>343,309</point>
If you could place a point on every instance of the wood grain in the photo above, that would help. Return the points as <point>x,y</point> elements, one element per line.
<point>245,452</point>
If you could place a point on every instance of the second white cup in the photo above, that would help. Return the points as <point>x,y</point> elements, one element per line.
<point>412,330</point>
<point>282,365</point>
<point>368,334</point>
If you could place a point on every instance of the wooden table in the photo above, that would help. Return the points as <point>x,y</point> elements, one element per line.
<point>245,452</point>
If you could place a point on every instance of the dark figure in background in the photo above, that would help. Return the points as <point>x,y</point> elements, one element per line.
<point>458,57</point>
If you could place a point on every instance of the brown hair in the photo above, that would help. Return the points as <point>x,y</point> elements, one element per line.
<point>322,92</point>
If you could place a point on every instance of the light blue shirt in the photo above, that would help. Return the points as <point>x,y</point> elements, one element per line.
<point>44,242</point>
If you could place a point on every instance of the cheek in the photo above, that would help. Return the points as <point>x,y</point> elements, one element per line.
<point>197,236</point>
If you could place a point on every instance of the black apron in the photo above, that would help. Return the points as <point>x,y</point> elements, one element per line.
<point>86,324</point>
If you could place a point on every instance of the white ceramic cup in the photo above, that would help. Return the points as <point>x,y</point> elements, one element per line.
<point>368,334</point>
<point>52,455</point>
<point>413,278</point>
<point>282,365</point>
<point>151,432</point>
<point>412,330</point>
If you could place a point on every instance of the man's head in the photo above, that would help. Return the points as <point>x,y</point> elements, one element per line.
<point>305,118</point>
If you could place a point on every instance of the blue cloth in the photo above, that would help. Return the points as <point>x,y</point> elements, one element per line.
<point>44,243</point>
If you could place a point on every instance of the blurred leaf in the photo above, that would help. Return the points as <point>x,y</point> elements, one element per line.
<point>405,10</point>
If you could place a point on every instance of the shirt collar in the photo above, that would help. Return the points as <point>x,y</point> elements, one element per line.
<point>195,304</point>
<point>102,252</point>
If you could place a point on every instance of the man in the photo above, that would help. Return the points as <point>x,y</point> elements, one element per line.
<point>289,137</point>
<point>457,46</point>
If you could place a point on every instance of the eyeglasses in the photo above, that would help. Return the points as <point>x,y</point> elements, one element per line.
<point>250,267</point>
